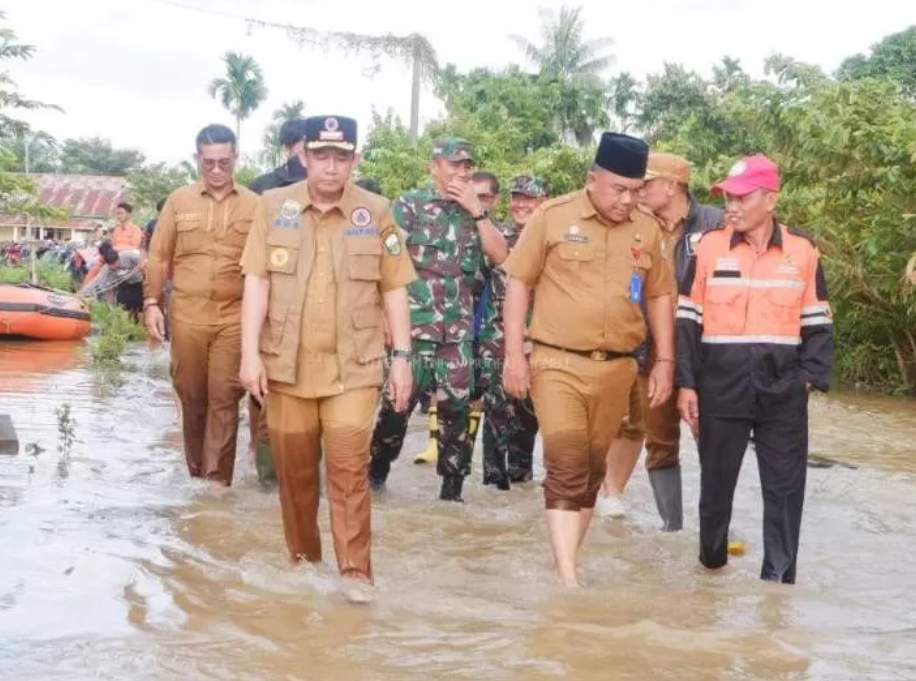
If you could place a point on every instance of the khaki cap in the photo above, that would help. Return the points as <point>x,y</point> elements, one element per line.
<point>668,166</point>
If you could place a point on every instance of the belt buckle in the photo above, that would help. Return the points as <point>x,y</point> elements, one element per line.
<point>598,355</point>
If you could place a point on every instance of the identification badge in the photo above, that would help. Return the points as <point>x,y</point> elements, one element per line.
<point>636,288</point>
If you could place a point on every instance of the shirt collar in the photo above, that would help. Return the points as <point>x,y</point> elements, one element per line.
<point>588,210</point>
<point>775,238</point>
<point>346,204</point>
<point>587,207</point>
<point>203,191</point>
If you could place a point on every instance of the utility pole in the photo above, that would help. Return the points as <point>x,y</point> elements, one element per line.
<point>415,93</point>
<point>28,144</point>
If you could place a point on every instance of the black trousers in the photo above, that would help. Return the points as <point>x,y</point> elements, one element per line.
<point>781,440</point>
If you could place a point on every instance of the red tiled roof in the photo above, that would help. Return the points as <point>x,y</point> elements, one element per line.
<point>91,196</point>
<point>90,199</point>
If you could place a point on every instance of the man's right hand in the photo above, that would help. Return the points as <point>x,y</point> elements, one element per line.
<point>154,322</point>
<point>517,377</point>
<point>688,405</point>
<point>253,377</point>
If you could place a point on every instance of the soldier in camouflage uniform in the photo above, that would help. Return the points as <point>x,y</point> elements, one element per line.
<point>448,232</point>
<point>512,422</point>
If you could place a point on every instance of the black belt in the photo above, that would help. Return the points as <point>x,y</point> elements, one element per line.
<point>597,355</point>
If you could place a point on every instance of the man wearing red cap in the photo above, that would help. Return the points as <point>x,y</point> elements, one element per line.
<point>755,335</point>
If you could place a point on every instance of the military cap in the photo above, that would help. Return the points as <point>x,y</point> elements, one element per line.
<point>330,131</point>
<point>669,167</point>
<point>528,185</point>
<point>622,155</point>
<point>453,149</point>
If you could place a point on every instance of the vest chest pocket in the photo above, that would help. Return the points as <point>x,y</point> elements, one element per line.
<point>190,237</point>
<point>368,334</point>
<point>724,307</point>
<point>272,332</point>
<point>364,258</point>
<point>282,251</point>
<point>570,257</point>
<point>237,233</point>
<point>784,306</point>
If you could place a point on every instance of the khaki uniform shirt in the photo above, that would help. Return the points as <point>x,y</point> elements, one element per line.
<point>671,234</point>
<point>358,215</point>
<point>580,267</point>
<point>199,241</point>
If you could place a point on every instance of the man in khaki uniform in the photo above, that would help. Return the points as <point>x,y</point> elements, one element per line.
<point>683,221</point>
<point>199,237</point>
<point>324,263</point>
<point>589,258</point>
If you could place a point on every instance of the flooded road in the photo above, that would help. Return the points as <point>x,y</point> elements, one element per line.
<point>114,565</point>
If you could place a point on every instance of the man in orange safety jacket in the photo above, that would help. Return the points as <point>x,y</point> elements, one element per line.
<point>755,336</point>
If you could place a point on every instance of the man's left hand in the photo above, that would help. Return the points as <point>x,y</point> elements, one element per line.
<point>661,382</point>
<point>400,383</point>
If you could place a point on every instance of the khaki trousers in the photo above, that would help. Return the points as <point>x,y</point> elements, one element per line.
<point>579,404</point>
<point>205,372</point>
<point>661,427</point>
<point>297,427</point>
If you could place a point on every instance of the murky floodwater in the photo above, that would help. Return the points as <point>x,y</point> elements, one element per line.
<point>114,565</point>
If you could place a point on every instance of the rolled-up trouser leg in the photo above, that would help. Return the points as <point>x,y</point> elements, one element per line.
<point>295,438</point>
<point>579,405</point>
<point>346,422</point>
<point>390,425</point>
<point>781,441</point>
<point>453,369</point>
<point>189,370</point>
<point>224,393</point>
<point>723,442</point>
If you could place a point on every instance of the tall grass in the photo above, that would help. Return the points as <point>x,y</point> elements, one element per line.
<point>114,330</point>
<point>50,274</point>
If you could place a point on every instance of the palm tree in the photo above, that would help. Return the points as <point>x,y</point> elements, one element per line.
<point>576,65</point>
<point>288,111</point>
<point>565,54</point>
<point>242,90</point>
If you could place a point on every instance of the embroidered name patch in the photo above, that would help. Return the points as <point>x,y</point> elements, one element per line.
<point>371,230</point>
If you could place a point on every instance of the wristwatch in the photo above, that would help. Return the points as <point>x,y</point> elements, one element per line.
<point>149,302</point>
<point>485,213</point>
<point>400,352</point>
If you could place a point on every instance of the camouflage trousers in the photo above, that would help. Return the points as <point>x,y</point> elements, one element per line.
<point>510,427</point>
<point>448,367</point>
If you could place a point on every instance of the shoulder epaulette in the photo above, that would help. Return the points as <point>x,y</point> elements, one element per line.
<point>558,201</point>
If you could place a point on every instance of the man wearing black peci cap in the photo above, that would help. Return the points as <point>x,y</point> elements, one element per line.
<point>589,258</point>
<point>292,138</point>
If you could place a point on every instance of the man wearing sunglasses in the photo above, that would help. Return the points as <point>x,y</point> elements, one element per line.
<point>197,243</point>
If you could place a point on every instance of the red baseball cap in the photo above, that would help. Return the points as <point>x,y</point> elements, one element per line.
<point>748,174</point>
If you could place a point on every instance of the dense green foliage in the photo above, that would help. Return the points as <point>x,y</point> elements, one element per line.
<point>114,329</point>
<point>846,145</point>
<point>50,275</point>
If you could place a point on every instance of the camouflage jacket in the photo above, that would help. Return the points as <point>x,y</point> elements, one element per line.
<point>445,247</point>
<point>491,327</point>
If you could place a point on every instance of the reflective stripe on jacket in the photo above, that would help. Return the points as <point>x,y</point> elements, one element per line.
<point>753,327</point>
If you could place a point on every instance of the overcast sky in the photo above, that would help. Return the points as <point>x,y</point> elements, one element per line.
<point>136,71</point>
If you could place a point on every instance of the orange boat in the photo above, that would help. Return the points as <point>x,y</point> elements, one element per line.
<point>42,313</point>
